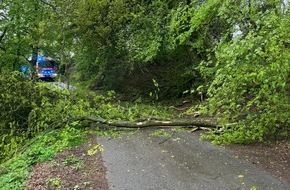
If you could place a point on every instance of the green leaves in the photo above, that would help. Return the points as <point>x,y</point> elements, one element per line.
<point>250,85</point>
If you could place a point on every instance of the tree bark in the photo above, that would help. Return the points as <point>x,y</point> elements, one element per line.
<point>150,123</point>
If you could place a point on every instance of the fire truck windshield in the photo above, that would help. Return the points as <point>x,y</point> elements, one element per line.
<point>47,64</point>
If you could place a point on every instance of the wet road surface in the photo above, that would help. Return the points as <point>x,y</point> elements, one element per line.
<point>182,161</point>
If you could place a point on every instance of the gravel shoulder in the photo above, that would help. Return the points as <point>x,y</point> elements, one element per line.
<point>273,157</point>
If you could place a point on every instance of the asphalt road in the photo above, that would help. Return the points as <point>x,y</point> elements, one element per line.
<point>182,161</point>
<point>63,85</point>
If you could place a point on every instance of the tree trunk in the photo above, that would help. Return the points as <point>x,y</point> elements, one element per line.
<point>150,123</point>
<point>33,61</point>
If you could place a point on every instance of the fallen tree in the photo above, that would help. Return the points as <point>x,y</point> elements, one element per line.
<point>200,124</point>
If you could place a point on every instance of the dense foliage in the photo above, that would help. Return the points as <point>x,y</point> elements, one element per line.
<point>30,109</point>
<point>231,55</point>
<point>251,81</point>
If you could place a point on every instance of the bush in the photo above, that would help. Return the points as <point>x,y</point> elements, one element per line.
<point>29,107</point>
<point>18,98</point>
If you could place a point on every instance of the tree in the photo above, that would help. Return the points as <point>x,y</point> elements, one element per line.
<point>120,40</point>
<point>28,29</point>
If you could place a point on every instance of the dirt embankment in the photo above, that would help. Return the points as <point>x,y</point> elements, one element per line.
<point>71,169</point>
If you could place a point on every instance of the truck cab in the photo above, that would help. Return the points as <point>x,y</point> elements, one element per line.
<point>46,68</point>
